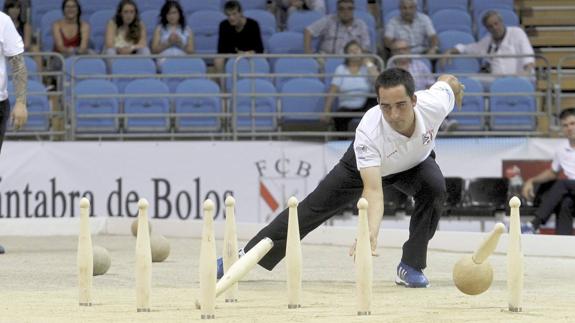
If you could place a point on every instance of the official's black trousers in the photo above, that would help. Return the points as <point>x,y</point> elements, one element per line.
<point>559,199</point>
<point>343,185</point>
<point>4,117</point>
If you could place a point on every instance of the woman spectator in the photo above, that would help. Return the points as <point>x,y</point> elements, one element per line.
<point>71,35</point>
<point>125,33</point>
<point>13,8</point>
<point>172,37</point>
<point>353,81</point>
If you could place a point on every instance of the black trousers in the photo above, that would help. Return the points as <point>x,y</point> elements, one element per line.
<point>343,185</point>
<point>559,199</point>
<point>4,117</point>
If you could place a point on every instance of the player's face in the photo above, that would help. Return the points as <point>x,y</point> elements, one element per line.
<point>397,108</point>
<point>568,127</point>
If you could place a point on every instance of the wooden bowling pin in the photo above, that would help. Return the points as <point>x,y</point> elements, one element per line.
<point>230,253</point>
<point>85,256</point>
<point>208,264</point>
<point>363,261</point>
<point>143,259</point>
<point>514,258</point>
<point>293,256</point>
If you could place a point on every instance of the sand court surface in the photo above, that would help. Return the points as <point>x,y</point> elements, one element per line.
<point>38,283</point>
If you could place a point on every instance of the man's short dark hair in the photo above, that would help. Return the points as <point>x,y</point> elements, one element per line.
<point>566,113</point>
<point>233,5</point>
<point>393,77</point>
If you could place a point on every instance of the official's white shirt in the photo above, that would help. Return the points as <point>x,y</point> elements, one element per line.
<point>564,159</point>
<point>11,44</point>
<point>377,144</point>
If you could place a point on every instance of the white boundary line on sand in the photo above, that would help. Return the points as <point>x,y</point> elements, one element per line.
<point>454,241</point>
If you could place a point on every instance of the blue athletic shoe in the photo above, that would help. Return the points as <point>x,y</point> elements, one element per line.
<point>220,265</point>
<point>527,228</point>
<point>410,277</point>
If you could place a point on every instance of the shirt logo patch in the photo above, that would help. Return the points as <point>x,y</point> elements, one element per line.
<point>427,137</point>
<point>360,151</point>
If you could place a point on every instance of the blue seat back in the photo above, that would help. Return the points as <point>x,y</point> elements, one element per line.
<point>286,42</point>
<point>151,19</point>
<point>331,5</point>
<point>249,106</point>
<point>206,24</point>
<point>306,108</point>
<point>448,39</point>
<point>254,4</point>
<point>46,23</point>
<point>78,66</point>
<point>183,65</point>
<point>246,66</point>
<point>198,106</point>
<point>435,5</point>
<point>98,22</point>
<point>452,19</point>
<point>157,104</point>
<point>522,104</point>
<point>132,65</point>
<point>473,102</point>
<point>294,66</point>
<point>37,104</point>
<point>297,21</point>
<point>267,22</point>
<point>92,107</point>
<point>193,6</point>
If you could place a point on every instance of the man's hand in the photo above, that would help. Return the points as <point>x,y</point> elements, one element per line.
<point>527,190</point>
<point>457,87</point>
<point>373,243</point>
<point>459,95</point>
<point>19,115</point>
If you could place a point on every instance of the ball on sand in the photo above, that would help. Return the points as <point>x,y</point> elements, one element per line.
<point>135,227</point>
<point>102,260</point>
<point>160,248</point>
<point>471,278</point>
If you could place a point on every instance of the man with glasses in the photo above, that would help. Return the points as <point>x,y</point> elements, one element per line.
<point>416,67</point>
<point>393,145</point>
<point>335,31</point>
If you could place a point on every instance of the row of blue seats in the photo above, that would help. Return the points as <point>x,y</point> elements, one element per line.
<point>147,105</point>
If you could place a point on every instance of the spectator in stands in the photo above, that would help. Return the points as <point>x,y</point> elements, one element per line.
<point>237,35</point>
<point>413,26</point>
<point>416,67</point>
<point>13,8</point>
<point>501,40</point>
<point>353,81</point>
<point>335,31</point>
<point>172,36</point>
<point>71,35</point>
<point>125,33</point>
<point>562,192</point>
<point>295,5</point>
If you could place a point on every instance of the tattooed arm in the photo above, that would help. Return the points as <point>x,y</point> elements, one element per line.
<point>19,114</point>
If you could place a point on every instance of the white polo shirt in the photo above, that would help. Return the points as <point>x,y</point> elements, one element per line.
<point>377,144</point>
<point>564,159</point>
<point>11,44</point>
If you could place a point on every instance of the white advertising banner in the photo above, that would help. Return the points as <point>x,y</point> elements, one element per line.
<point>46,180</point>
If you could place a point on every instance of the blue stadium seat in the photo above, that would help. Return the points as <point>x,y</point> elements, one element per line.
<point>98,22</point>
<point>451,19</point>
<point>37,104</point>
<point>144,5</point>
<point>509,19</point>
<point>205,24</point>
<point>39,7</point>
<point>46,23</point>
<point>294,66</point>
<point>388,6</point>
<point>471,103</point>
<point>92,107</point>
<point>78,66</point>
<point>198,106</point>
<point>267,22</point>
<point>31,68</point>
<point>132,65</point>
<point>522,103</point>
<point>460,65</point>
<point>254,4</point>
<point>150,18</point>
<point>331,5</point>
<point>329,68</point>
<point>90,7</point>
<point>448,39</point>
<point>244,66</point>
<point>435,5</point>
<point>309,106</point>
<point>193,6</point>
<point>369,20</point>
<point>286,42</point>
<point>135,107</point>
<point>248,106</point>
<point>297,21</point>
<point>482,5</point>
<point>388,15</point>
<point>183,65</point>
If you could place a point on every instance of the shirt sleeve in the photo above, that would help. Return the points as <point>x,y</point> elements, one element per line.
<point>318,27</point>
<point>439,96</point>
<point>390,28</point>
<point>337,79</point>
<point>524,47</point>
<point>257,36</point>
<point>12,43</point>
<point>366,154</point>
<point>477,48</point>
<point>429,29</point>
<point>555,164</point>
